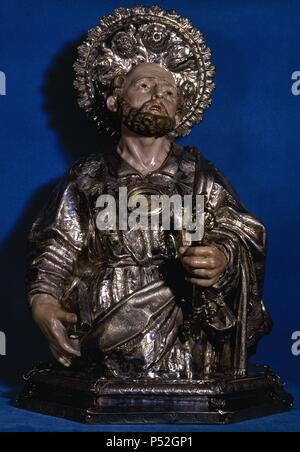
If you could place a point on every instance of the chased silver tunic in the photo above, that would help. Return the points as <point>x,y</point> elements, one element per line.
<point>137,292</point>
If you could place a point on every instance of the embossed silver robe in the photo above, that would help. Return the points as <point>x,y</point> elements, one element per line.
<point>137,295</point>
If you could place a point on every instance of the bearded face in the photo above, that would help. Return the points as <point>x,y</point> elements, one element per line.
<point>143,121</point>
<point>147,102</point>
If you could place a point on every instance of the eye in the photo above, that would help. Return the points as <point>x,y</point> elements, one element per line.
<point>171,94</point>
<point>144,85</point>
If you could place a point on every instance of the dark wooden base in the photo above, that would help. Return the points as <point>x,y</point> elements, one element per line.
<point>84,397</point>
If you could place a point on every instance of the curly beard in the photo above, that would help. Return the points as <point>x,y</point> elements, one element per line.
<point>143,122</point>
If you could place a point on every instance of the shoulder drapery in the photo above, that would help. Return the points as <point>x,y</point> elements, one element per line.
<point>243,239</point>
<point>60,234</point>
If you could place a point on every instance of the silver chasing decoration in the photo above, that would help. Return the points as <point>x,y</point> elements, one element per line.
<point>144,35</point>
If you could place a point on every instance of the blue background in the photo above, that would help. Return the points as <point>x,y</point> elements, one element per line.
<point>252,133</point>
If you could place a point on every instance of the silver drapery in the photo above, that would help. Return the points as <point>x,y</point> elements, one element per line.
<point>139,301</point>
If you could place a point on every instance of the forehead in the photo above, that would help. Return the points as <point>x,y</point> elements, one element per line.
<point>150,71</point>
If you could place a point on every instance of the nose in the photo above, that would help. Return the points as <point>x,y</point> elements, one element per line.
<point>157,92</point>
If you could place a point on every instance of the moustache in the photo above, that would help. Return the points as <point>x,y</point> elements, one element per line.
<point>149,104</point>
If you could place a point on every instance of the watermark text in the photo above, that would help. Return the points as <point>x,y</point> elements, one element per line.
<point>2,344</point>
<point>296,83</point>
<point>2,84</point>
<point>145,210</point>
<point>296,344</point>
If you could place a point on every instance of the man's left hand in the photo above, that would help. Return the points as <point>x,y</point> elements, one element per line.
<point>204,263</point>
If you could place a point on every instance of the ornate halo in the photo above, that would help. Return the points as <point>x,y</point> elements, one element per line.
<point>144,35</point>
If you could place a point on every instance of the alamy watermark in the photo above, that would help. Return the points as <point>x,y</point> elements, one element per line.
<point>2,84</point>
<point>146,209</point>
<point>2,335</point>
<point>2,93</point>
<point>296,344</point>
<point>2,344</point>
<point>296,83</point>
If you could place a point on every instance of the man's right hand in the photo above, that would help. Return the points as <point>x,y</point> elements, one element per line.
<point>53,320</point>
